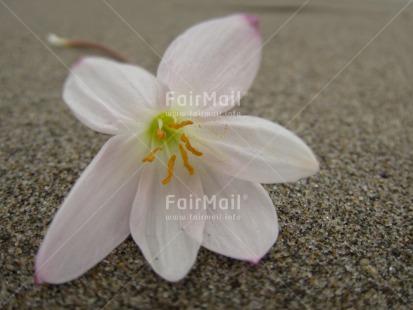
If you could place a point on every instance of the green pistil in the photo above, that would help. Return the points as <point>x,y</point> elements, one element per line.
<point>171,136</point>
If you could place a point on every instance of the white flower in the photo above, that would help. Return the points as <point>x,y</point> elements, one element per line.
<point>161,149</point>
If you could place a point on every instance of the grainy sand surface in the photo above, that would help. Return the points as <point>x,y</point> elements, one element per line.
<point>346,234</point>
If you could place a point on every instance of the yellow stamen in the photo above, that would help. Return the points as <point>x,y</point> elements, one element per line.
<point>180,125</point>
<point>171,163</point>
<point>151,156</point>
<point>184,156</point>
<point>189,146</point>
<point>160,134</point>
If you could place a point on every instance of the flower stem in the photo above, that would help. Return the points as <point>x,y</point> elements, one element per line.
<point>58,41</point>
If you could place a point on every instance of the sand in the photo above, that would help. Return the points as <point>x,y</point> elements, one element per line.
<point>329,74</point>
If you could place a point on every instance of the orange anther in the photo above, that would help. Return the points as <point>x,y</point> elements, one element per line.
<point>184,156</point>
<point>189,146</point>
<point>180,125</point>
<point>171,163</point>
<point>151,156</point>
<point>160,134</point>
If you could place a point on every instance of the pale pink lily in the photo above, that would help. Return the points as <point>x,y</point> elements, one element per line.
<point>155,153</point>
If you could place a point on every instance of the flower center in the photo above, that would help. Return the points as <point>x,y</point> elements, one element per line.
<point>166,134</point>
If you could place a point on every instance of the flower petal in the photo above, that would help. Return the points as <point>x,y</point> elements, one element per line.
<point>167,233</point>
<point>253,149</point>
<point>248,228</point>
<point>94,218</point>
<point>217,58</point>
<point>111,97</point>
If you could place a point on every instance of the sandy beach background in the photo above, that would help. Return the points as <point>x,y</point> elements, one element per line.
<point>337,73</point>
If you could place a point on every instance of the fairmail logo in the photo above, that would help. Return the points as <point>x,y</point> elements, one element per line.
<point>232,202</point>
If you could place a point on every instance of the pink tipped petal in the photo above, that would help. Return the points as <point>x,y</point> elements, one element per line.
<point>217,60</point>
<point>252,20</point>
<point>79,62</point>
<point>94,218</point>
<point>169,237</point>
<point>38,280</point>
<point>110,97</point>
<point>255,262</point>
<point>248,227</point>
<point>254,149</point>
